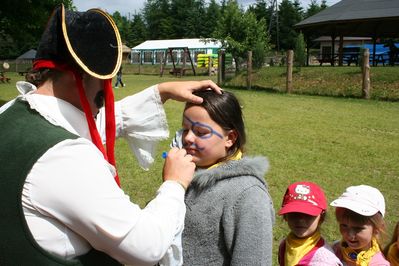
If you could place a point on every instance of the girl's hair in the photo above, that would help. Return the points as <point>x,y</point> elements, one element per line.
<point>394,238</point>
<point>376,220</point>
<point>225,110</point>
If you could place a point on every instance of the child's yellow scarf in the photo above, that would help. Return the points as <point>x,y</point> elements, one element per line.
<point>236,156</point>
<point>296,248</point>
<point>362,258</point>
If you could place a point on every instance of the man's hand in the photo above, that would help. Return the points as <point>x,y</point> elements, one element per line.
<point>183,90</point>
<point>179,167</point>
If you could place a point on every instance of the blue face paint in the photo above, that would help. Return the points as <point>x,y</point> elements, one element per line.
<point>201,130</point>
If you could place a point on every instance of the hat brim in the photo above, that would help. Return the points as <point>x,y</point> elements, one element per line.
<point>300,207</point>
<point>355,206</point>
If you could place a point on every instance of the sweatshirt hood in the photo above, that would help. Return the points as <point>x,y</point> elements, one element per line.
<point>247,166</point>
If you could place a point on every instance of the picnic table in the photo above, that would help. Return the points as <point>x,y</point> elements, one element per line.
<point>327,58</point>
<point>351,55</point>
<point>379,58</point>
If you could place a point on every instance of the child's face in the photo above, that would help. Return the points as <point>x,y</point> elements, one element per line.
<point>302,225</point>
<point>203,138</point>
<point>357,236</point>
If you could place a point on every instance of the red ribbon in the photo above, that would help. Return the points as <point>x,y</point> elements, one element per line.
<point>110,130</point>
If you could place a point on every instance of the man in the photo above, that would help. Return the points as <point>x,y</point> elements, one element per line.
<point>60,195</point>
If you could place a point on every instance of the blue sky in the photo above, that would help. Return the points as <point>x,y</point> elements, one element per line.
<point>131,6</point>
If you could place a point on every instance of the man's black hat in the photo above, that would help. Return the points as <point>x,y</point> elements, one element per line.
<point>88,39</point>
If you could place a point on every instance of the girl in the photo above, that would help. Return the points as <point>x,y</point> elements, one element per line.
<point>392,249</point>
<point>229,210</point>
<point>360,213</point>
<point>304,208</point>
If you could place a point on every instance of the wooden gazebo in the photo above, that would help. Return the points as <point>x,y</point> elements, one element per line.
<point>354,18</point>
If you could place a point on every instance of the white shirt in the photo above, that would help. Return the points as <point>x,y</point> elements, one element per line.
<point>71,201</point>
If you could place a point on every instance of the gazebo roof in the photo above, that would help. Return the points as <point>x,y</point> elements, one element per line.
<point>28,55</point>
<point>126,49</point>
<point>374,18</point>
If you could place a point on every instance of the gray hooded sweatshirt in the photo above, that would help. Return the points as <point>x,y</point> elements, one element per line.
<point>229,215</point>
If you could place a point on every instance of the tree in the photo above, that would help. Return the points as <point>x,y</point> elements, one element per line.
<point>187,18</point>
<point>289,15</point>
<point>158,18</point>
<point>123,26</point>
<point>22,23</point>
<point>210,19</point>
<point>299,51</point>
<point>239,32</point>
<point>314,8</point>
<point>137,31</point>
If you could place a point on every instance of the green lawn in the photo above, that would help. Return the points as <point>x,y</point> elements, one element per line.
<point>333,141</point>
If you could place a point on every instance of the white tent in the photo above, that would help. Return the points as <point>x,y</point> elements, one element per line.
<point>152,51</point>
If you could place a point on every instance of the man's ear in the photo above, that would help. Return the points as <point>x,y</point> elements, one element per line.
<point>232,136</point>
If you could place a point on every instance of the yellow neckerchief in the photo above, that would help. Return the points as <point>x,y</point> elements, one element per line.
<point>296,248</point>
<point>362,258</point>
<point>236,156</point>
<point>393,255</point>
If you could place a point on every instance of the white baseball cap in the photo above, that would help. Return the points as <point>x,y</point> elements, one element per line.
<point>364,200</point>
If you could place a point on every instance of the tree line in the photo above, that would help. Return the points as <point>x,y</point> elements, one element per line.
<point>239,29</point>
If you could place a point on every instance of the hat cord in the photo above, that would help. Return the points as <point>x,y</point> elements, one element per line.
<point>110,130</point>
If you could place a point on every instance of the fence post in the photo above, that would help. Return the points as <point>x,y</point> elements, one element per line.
<point>249,70</point>
<point>221,68</point>
<point>209,65</point>
<point>290,63</point>
<point>139,63</point>
<point>366,74</point>
<point>161,68</point>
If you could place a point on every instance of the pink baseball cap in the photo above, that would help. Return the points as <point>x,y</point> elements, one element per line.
<point>304,197</point>
<point>364,200</point>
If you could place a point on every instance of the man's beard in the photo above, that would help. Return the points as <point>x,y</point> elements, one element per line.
<point>99,99</point>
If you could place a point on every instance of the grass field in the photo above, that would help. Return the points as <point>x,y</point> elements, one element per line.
<point>327,80</point>
<point>333,141</point>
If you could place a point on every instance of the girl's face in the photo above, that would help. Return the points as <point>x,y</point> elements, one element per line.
<point>357,236</point>
<point>302,225</point>
<point>203,138</point>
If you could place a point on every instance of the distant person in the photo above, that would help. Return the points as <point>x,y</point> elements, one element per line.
<point>230,213</point>
<point>119,78</point>
<point>392,249</point>
<point>304,209</point>
<point>60,199</point>
<point>360,214</point>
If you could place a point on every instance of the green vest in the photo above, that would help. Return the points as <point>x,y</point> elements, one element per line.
<point>24,137</point>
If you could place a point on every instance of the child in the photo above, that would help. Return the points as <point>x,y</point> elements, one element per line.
<point>229,210</point>
<point>304,208</point>
<point>360,213</point>
<point>392,249</point>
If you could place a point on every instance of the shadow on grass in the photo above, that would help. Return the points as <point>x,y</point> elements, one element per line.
<point>254,88</point>
<point>2,102</point>
<point>276,91</point>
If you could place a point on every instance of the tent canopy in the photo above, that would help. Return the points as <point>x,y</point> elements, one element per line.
<point>361,18</point>
<point>29,55</point>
